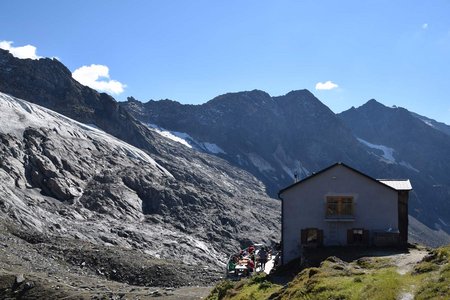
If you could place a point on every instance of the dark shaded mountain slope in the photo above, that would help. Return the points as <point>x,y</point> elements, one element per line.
<point>276,137</point>
<point>422,149</point>
<point>271,137</point>
<point>433,123</point>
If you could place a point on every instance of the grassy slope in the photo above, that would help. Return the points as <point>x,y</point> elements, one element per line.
<point>367,278</point>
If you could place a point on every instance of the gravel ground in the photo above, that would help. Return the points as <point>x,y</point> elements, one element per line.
<point>32,267</point>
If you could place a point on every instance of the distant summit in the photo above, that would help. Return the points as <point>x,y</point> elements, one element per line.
<point>271,137</point>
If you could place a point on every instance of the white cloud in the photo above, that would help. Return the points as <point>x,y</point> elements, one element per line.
<point>425,26</point>
<point>97,77</point>
<point>27,51</point>
<point>329,85</point>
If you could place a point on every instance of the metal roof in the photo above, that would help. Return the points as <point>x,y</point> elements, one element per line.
<point>398,184</point>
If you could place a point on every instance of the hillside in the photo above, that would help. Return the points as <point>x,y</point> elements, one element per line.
<point>104,181</point>
<point>417,274</point>
<point>399,137</point>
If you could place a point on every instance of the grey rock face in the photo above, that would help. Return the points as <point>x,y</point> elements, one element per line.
<point>178,201</point>
<point>63,178</point>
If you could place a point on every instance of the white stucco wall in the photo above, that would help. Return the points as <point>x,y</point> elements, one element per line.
<point>375,207</point>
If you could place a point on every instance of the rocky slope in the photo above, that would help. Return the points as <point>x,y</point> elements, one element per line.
<point>433,123</point>
<point>79,179</point>
<point>397,137</point>
<point>64,179</point>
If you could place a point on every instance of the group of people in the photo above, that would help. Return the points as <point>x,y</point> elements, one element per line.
<point>248,260</point>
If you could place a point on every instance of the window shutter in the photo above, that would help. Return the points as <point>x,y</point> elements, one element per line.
<point>303,235</point>
<point>320,236</point>
<point>349,236</point>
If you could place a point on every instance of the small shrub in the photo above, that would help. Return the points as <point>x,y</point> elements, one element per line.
<point>264,285</point>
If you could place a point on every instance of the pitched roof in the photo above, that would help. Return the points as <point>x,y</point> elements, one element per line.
<point>401,184</point>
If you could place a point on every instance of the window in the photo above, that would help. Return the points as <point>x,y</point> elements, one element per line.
<point>339,207</point>
<point>357,236</point>
<point>311,237</point>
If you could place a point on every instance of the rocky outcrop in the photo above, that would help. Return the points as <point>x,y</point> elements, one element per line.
<point>49,83</point>
<point>61,178</point>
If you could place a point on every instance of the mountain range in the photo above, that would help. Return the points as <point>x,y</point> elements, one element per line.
<point>280,138</point>
<point>187,184</point>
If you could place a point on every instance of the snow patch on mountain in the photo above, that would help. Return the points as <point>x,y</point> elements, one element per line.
<point>260,163</point>
<point>408,165</point>
<point>442,222</point>
<point>186,140</point>
<point>427,122</point>
<point>288,171</point>
<point>21,114</point>
<point>297,172</point>
<point>388,153</point>
<point>213,148</point>
<point>175,136</point>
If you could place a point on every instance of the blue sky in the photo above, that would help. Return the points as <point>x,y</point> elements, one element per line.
<point>397,52</point>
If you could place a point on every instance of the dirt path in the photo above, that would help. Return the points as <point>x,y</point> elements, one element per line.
<point>406,296</point>
<point>405,262</point>
<point>188,293</point>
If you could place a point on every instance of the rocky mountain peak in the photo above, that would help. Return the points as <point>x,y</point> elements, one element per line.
<point>303,94</point>
<point>372,102</point>
<point>303,103</point>
<point>50,68</point>
<point>246,99</point>
<point>132,99</point>
<point>383,114</point>
<point>302,98</point>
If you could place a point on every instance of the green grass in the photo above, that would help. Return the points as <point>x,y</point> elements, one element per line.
<point>345,284</point>
<point>221,290</point>
<point>254,288</point>
<point>373,262</point>
<point>369,278</point>
<point>436,284</point>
